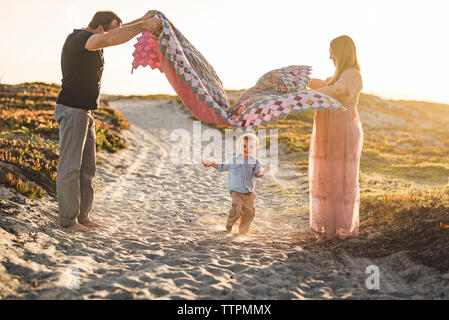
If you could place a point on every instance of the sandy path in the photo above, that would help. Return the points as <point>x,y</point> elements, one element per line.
<point>166,238</point>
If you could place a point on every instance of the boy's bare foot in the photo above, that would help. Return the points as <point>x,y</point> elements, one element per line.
<point>78,227</point>
<point>92,224</point>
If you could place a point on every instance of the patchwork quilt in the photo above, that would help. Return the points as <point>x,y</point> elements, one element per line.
<point>278,93</point>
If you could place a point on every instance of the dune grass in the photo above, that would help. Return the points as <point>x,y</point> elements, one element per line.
<point>405,206</point>
<point>412,222</point>
<point>29,136</point>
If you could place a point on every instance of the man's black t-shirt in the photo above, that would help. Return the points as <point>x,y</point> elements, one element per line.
<point>81,72</point>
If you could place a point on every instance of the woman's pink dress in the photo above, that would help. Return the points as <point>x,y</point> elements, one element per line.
<point>334,161</point>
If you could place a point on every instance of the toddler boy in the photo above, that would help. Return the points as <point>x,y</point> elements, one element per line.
<point>242,170</point>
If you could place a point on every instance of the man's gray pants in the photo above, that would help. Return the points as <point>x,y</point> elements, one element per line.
<point>76,168</point>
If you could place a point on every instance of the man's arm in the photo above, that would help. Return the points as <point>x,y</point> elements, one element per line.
<point>122,34</point>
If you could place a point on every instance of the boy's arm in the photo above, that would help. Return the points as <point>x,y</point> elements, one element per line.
<point>219,167</point>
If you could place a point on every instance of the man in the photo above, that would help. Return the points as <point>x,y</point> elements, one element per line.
<point>82,67</point>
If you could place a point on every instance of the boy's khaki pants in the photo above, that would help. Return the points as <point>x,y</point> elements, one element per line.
<point>76,168</point>
<point>242,209</point>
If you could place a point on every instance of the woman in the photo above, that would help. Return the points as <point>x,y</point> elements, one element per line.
<point>335,148</point>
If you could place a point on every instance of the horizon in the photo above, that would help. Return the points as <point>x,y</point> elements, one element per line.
<point>397,63</point>
<point>391,96</point>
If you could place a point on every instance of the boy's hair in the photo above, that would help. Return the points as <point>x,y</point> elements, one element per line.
<point>104,18</point>
<point>248,137</point>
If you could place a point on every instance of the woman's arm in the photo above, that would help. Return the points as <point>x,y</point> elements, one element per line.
<point>316,84</point>
<point>335,91</point>
<point>347,85</point>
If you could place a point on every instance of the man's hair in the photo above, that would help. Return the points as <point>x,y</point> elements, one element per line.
<point>103,18</point>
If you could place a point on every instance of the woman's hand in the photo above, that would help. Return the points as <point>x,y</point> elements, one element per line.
<point>315,84</point>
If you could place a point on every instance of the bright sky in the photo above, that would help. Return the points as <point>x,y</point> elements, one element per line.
<point>402,45</point>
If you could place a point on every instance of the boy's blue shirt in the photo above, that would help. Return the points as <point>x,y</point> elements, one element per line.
<point>241,173</point>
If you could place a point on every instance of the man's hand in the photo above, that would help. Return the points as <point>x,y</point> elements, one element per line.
<point>150,14</point>
<point>154,25</point>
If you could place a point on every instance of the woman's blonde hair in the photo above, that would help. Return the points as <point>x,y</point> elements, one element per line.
<point>343,49</point>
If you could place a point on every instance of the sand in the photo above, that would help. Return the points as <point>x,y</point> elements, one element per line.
<point>166,236</point>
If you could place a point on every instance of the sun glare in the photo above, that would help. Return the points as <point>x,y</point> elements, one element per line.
<point>399,43</point>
